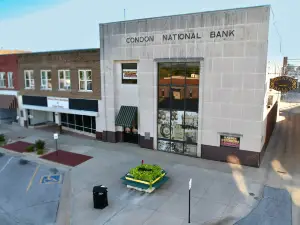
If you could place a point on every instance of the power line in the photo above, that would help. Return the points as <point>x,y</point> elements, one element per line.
<point>277,31</point>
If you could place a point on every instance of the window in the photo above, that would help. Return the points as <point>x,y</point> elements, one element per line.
<point>2,79</point>
<point>64,80</point>
<point>78,122</point>
<point>85,80</point>
<point>177,121</point>
<point>29,80</point>
<point>46,80</point>
<point>164,71</point>
<point>10,82</point>
<point>129,73</point>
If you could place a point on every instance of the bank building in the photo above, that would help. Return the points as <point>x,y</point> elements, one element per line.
<point>192,84</point>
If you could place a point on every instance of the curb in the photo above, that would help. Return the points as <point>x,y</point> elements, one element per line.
<point>64,207</point>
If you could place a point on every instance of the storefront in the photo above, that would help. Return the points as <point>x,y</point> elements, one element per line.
<point>8,89</point>
<point>77,115</point>
<point>8,107</point>
<point>197,82</point>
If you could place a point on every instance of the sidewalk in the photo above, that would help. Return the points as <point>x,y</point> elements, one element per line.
<point>221,193</point>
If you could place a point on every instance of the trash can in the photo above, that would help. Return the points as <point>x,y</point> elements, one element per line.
<point>100,197</point>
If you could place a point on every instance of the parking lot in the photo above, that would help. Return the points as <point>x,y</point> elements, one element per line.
<point>29,192</point>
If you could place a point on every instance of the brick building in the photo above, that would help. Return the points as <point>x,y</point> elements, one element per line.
<point>60,87</point>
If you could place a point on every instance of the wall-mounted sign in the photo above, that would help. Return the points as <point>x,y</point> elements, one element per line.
<point>283,83</point>
<point>229,141</point>
<point>182,36</point>
<point>54,102</point>
<point>129,74</point>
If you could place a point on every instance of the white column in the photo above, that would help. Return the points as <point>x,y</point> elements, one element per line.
<point>58,118</point>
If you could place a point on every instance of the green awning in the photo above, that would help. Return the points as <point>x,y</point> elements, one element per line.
<point>126,116</point>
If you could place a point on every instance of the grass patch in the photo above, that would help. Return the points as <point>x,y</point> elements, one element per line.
<point>146,172</point>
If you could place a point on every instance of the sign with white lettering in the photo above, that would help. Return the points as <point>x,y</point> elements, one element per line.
<point>129,74</point>
<point>215,34</point>
<point>54,102</point>
<point>55,136</point>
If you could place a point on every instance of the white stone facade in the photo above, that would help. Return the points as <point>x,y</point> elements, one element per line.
<point>233,84</point>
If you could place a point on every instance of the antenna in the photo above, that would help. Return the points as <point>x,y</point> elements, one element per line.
<point>124,14</point>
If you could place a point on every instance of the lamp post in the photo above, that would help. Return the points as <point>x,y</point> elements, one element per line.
<point>190,187</point>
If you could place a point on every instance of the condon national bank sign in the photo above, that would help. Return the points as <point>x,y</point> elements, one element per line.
<point>182,36</point>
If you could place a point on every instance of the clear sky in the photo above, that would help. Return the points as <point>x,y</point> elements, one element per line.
<point>42,25</point>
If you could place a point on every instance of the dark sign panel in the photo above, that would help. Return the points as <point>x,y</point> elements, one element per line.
<point>230,141</point>
<point>283,83</point>
<point>35,100</point>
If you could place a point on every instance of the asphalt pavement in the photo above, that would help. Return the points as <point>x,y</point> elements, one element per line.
<point>29,192</point>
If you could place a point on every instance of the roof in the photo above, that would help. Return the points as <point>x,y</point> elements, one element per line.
<point>7,52</point>
<point>64,51</point>
<point>194,13</point>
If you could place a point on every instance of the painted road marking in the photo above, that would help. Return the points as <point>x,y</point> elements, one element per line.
<point>34,174</point>
<point>8,161</point>
<point>51,179</point>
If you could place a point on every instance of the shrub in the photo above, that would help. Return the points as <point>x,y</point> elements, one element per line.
<point>40,144</point>
<point>30,148</point>
<point>146,172</point>
<point>2,138</point>
<point>40,151</point>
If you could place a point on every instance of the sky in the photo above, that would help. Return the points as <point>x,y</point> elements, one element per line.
<point>46,25</point>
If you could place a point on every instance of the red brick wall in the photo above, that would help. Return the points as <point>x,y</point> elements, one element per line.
<point>9,63</point>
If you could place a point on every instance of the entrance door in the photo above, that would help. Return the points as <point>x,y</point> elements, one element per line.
<point>130,136</point>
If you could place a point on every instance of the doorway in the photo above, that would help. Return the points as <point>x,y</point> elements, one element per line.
<point>130,135</point>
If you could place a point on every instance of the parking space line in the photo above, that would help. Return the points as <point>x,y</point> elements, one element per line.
<point>33,176</point>
<point>8,161</point>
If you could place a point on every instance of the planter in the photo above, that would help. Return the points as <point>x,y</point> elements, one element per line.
<point>143,185</point>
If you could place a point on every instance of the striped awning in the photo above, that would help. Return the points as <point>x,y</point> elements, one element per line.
<point>8,102</point>
<point>126,116</point>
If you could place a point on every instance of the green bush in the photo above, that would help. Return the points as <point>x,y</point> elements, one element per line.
<point>146,172</point>
<point>40,151</point>
<point>2,138</point>
<point>30,148</point>
<point>40,144</point>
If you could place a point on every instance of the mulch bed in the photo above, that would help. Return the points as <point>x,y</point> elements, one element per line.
<point>66,158</point>
<point>19,146</point>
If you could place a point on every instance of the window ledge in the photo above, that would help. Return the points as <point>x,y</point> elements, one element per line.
<point>28,88</point>
<point>64,89</point>
<point>46,89</point>
<point>85,91</point>
<point>2,86</point>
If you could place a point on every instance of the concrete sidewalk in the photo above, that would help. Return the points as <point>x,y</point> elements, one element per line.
<point>221,193</point>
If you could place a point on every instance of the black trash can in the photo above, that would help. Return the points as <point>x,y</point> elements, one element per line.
<point>100,197</point>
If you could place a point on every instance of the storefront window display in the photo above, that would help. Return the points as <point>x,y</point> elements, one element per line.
<point>79,122</point>
<point>178,102</point>
<point>163,124</point>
